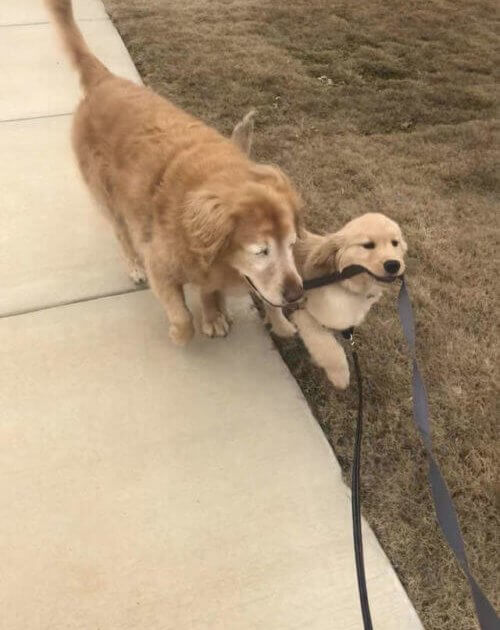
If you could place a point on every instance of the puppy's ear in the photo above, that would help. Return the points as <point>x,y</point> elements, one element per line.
<point>323,255</point>
<point>208,225</point>
<point>242,135</point>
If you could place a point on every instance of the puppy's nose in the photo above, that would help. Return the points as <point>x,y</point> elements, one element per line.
<point>292,291</point>
<point>392,266</point>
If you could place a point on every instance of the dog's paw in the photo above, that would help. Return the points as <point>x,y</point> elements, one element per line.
<point>338,376</point>
<point>181,333</point>
<point>283,328</point>
<point>218,327</point>
<point>138,275</point>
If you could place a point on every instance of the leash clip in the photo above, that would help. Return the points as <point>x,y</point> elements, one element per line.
<point>348,335</point>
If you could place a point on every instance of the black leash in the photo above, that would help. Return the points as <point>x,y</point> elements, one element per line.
<point>443,504</point>
<point>356,491</point>
<point>345,274</point>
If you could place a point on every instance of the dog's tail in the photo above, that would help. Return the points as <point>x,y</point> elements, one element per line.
<point>91,70</point>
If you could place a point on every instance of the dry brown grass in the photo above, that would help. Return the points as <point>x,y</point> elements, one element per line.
<point>404,126</point>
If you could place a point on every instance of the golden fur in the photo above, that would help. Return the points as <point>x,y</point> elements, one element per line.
<point>187,205</point>
<point>371,240</point>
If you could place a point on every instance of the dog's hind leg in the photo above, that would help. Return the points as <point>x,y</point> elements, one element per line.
<point>132,260</point>
<point>171,295</point>
<point>215,321</point>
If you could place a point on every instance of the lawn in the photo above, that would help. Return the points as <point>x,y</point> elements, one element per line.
<point>385,105</point>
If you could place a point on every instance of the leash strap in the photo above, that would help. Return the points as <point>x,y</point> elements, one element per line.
<point>356,499</point>
<point>340,276</point>
<point>445,510</point>
<point>333,278</point>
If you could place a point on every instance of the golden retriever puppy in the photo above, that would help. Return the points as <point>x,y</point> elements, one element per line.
<point>187,205</point>
<point>371,240</point>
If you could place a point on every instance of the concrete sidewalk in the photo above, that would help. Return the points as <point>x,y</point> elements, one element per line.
<point>142,486</point>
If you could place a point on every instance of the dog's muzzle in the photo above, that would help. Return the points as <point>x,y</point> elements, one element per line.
<point>264,299</point>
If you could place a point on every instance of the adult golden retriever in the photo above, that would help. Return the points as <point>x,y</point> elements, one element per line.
<point>371,240</point>
<point>187,205</point>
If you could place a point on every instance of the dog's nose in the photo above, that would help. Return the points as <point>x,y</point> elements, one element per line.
<point>292,292</point>
<point>392,266</point>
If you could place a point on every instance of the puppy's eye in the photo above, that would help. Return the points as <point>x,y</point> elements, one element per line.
<point>263,252</point>
<point>369,245</point>
<point>395,243</point>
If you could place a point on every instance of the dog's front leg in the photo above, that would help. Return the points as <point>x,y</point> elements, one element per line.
<point>171,295</point>
<point>323,347</point>
<point>215,322</point>
<point>280,325</point>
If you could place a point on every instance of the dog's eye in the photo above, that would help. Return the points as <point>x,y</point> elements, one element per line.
<point>263,252</point>
<point>369,245</point>
<point>395,243</point>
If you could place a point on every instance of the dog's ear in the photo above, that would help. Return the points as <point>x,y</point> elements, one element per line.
<point>242,135</point>
<point>271,175</point>
<point>300,227</point>
<point>324,254</point>
<point>208,225</point>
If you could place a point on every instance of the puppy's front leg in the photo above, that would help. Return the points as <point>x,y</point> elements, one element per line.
<point>215,322</point>
<point>280,325</point>
<point>324,348</point>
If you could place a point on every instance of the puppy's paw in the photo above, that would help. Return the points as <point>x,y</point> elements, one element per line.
<point>283,328</point>
<point>181,333</point>
<point>278,324</point>
<point>218,327</point>
<point>137,275</point>
<point>338,375</point>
